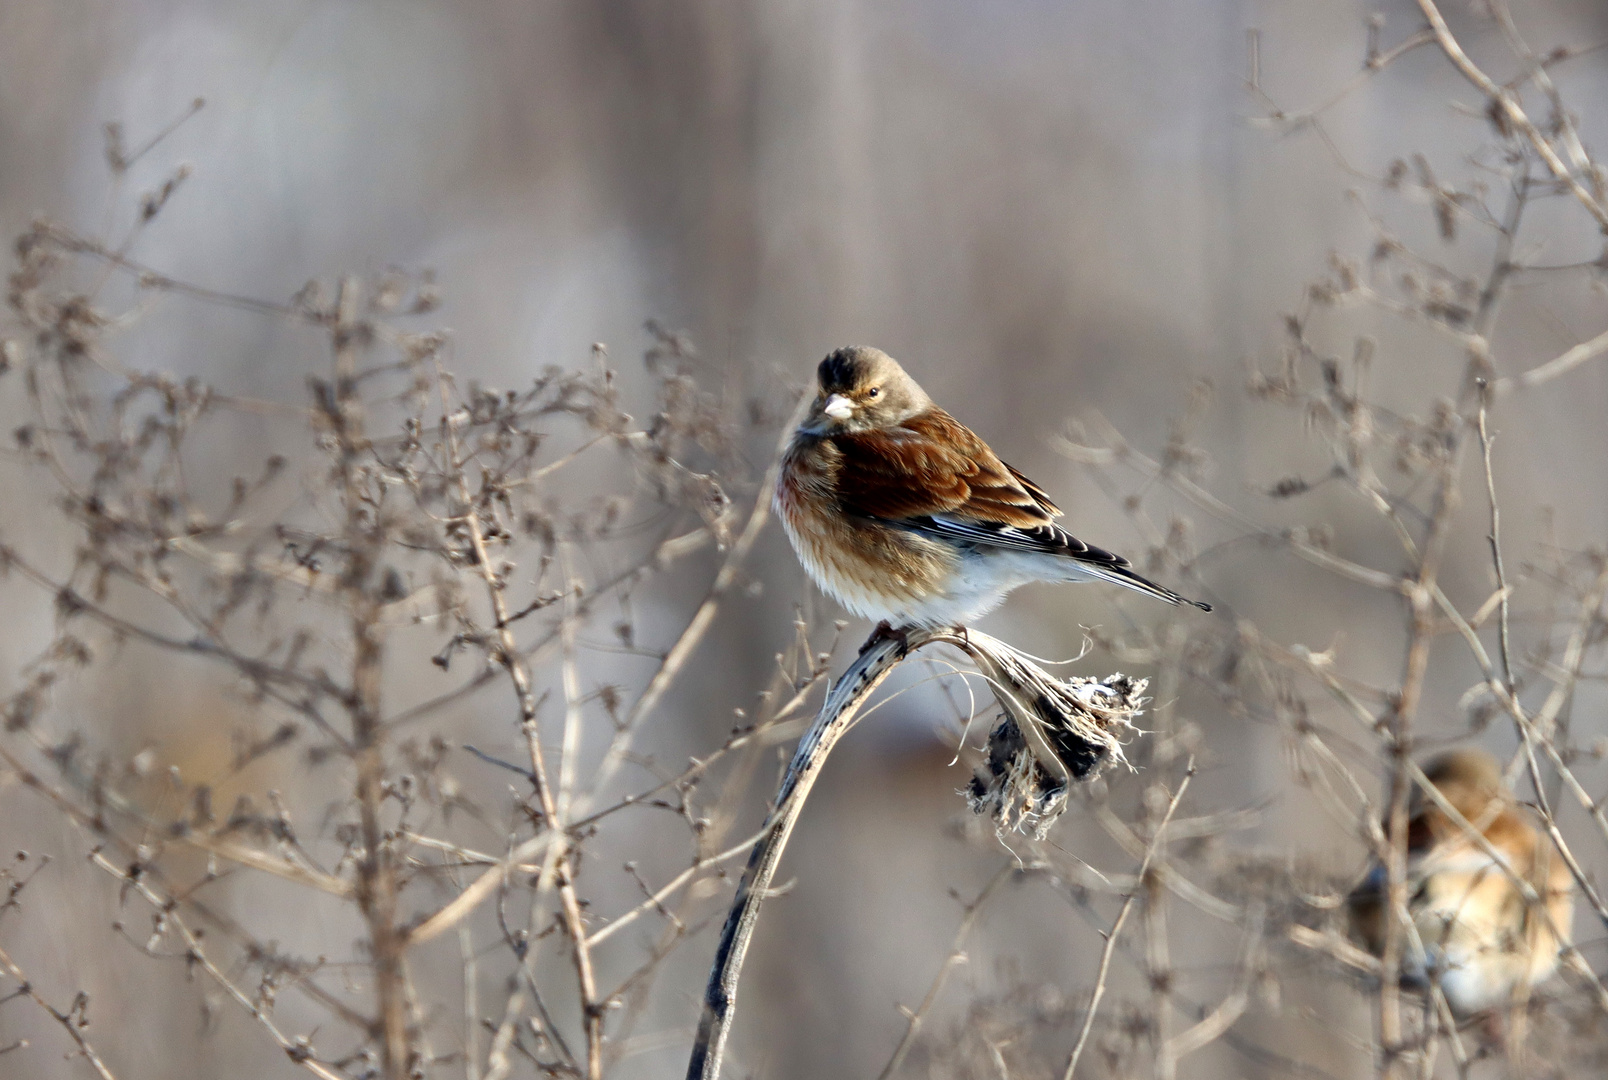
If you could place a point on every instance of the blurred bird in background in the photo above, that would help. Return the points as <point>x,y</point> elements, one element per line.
<point>902,514</point>
<point>1481,940</point>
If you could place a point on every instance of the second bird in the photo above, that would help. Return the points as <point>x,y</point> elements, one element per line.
<point>902,514</point>
<point>1474,931</point>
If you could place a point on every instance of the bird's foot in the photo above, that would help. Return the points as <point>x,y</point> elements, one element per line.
<point>1493,1033</point>
<point>886,631</point>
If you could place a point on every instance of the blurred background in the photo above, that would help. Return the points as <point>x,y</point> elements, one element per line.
<point>1047,210</point>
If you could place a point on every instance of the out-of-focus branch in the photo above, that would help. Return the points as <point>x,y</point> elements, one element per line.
<point>1505,100</point>
<point>1562,364</point>
<point>478,890</point>
<point>558,855</point>
<point>73,1021</point>
<point>1104,969</point>
<point>376,869</point>
<point>693,633</point>
<point>956,957</point>
<point>657,898</point>
<point>298,1048</point>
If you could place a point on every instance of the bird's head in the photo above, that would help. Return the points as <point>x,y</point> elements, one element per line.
<point>1469,779</point>
<point>862,389</point>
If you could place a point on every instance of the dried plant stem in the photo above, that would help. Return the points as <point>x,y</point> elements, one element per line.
<point>1505,100</point>
<point>1158,965</point>
<point>1496,550</point>
<point>655,900</point>
<point>1122,917</point>
<point>377,875</point>
<point>69,1023</point>
<point>478,890</point>
<point>299,1049</point>
<point>471,1004</point>
<point>693,633</point>
<point>508,655</point>
<point>956,957</point>
<point>1158,952</point>
<point>1570,359</point>
<point>1422,629</point>
<point>880,655</point>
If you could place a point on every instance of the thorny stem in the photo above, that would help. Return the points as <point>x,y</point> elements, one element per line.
<point>559,856</point>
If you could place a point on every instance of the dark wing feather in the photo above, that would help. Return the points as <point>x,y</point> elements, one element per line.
<point>1051,540</point>
<point>1037,492</point>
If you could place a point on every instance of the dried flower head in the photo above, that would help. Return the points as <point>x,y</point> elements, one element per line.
<point>1052,732</point>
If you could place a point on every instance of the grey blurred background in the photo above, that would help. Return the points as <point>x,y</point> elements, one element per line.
<point>1043,208</point>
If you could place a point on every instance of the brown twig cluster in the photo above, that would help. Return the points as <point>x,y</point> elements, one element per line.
<point>495,543</point>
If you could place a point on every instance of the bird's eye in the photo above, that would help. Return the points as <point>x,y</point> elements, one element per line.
<point>873,392</point>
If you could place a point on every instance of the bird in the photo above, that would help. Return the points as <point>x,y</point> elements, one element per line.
<point>1478,937</point>
<point>902,514</point>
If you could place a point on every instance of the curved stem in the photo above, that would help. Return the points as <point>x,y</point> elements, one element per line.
<point>881,654</point>
<point>1056,731</point>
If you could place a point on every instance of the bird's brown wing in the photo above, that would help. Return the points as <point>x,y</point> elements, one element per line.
<point>933,465</point>
<point>931,474</point>
<point>1038,493</point>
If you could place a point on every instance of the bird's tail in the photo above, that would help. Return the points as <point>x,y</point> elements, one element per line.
<point>1123,575</point>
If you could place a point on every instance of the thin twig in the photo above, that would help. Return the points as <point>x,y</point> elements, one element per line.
<point>656,900</point>
<point>1562,364</point>
<point>1116,927</point>
<point>478,890</point>
<point>1505,100</point>
<point>956,957</point>
<point>507,655</point>
<point>1496,548</point>
<point>72,1024</point>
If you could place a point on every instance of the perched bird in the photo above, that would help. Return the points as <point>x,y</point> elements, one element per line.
<point>1481,941</point>
<point>902,514</point>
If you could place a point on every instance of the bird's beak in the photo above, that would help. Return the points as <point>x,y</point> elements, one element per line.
<point>838,407</point>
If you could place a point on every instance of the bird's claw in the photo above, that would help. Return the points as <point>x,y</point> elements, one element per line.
<point>885,631</point>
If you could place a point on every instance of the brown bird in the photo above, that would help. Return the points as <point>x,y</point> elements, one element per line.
<point>1481,941</point>
<point>902,514</point>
